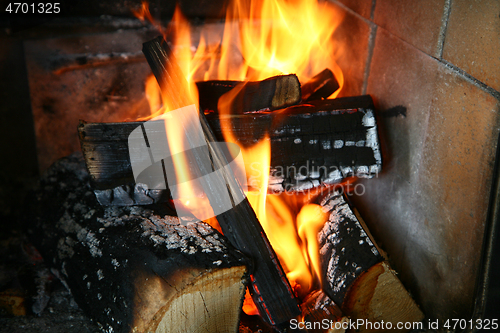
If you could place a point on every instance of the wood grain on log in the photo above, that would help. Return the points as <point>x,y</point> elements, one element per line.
<point>269,286</point>
<point>378,295</point>
<point>130,269</point>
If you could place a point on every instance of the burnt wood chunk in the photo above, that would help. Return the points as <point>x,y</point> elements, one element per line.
<point>209,92</point>
<point>317,307</point>
<point>269,286</point>
<point>320,86</point>
<point>346,250</point>
<point>318,143</point>
<point>274,93</point>
<point>354,273</point>
<point>131,269</point>
<point>322,142</point>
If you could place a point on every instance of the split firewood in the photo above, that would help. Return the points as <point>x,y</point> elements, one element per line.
<point>269,286</point>
<point>313,144</point>
<point>321,86</point>
<point>355,274</point>
<point>319,143</point>
<point>274,93</point>
<point>130,269</point>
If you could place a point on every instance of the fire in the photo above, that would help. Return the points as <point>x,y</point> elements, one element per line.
<point>263,39</point>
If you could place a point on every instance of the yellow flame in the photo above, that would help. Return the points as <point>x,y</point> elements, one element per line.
<point>262,39</point>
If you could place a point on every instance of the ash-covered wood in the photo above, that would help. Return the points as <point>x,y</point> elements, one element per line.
<point>274,93</point>
<point>346,250</point>
<point>322,142</point>
<point>269,286</point>
<point>321,86</point>
<point>129,268</point>
<point>354,273</point>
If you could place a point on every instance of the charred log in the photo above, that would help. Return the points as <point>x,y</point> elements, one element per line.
<point>270,94</point>
<point>130,269</point>
<point>317,307</point>
<point>269,286</point>
<point>354,272</point>
<point>318,143</point>
<point>320,86</point>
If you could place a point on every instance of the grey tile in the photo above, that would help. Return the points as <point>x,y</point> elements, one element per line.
<point>428,206</point>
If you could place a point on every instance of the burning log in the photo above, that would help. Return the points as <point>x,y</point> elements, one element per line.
<point>322,142</point>
<point>269,286</point>
<point>130,269</point>
<point>320,86</point>
<point>317,307</point>
<point>270,94</point>
<point>355,274</point>
<point>318,143</point>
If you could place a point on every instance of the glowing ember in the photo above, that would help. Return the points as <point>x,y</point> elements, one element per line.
<point>263,39</point>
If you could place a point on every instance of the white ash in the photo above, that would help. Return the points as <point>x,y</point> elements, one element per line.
<point>360,143</point>
<point>93,244</point>
<point>115,263</point>
<point>341,229</point>
<point>100,275</point>
<point>323,302</point>
<point>170,233</point>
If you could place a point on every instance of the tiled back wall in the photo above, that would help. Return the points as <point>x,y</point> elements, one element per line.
<point>440,61</point>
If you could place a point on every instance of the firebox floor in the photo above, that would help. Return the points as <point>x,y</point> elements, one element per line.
<point>61,315</point>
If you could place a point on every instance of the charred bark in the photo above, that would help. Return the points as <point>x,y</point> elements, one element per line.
<point>131,269</point>
<point>321,86</point>
<point>318,143</point>
<point>354,272</point>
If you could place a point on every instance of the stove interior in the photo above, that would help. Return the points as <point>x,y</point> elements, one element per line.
<point>431,67</point>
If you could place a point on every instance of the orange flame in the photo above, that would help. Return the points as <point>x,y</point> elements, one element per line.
<point>262,39</point>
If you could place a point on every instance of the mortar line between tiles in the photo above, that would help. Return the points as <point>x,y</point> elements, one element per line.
<point>341,5</point>
<point>372,10</point>
<point>371,47</point>
<point>444,27</point>
<point>472,79</point>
